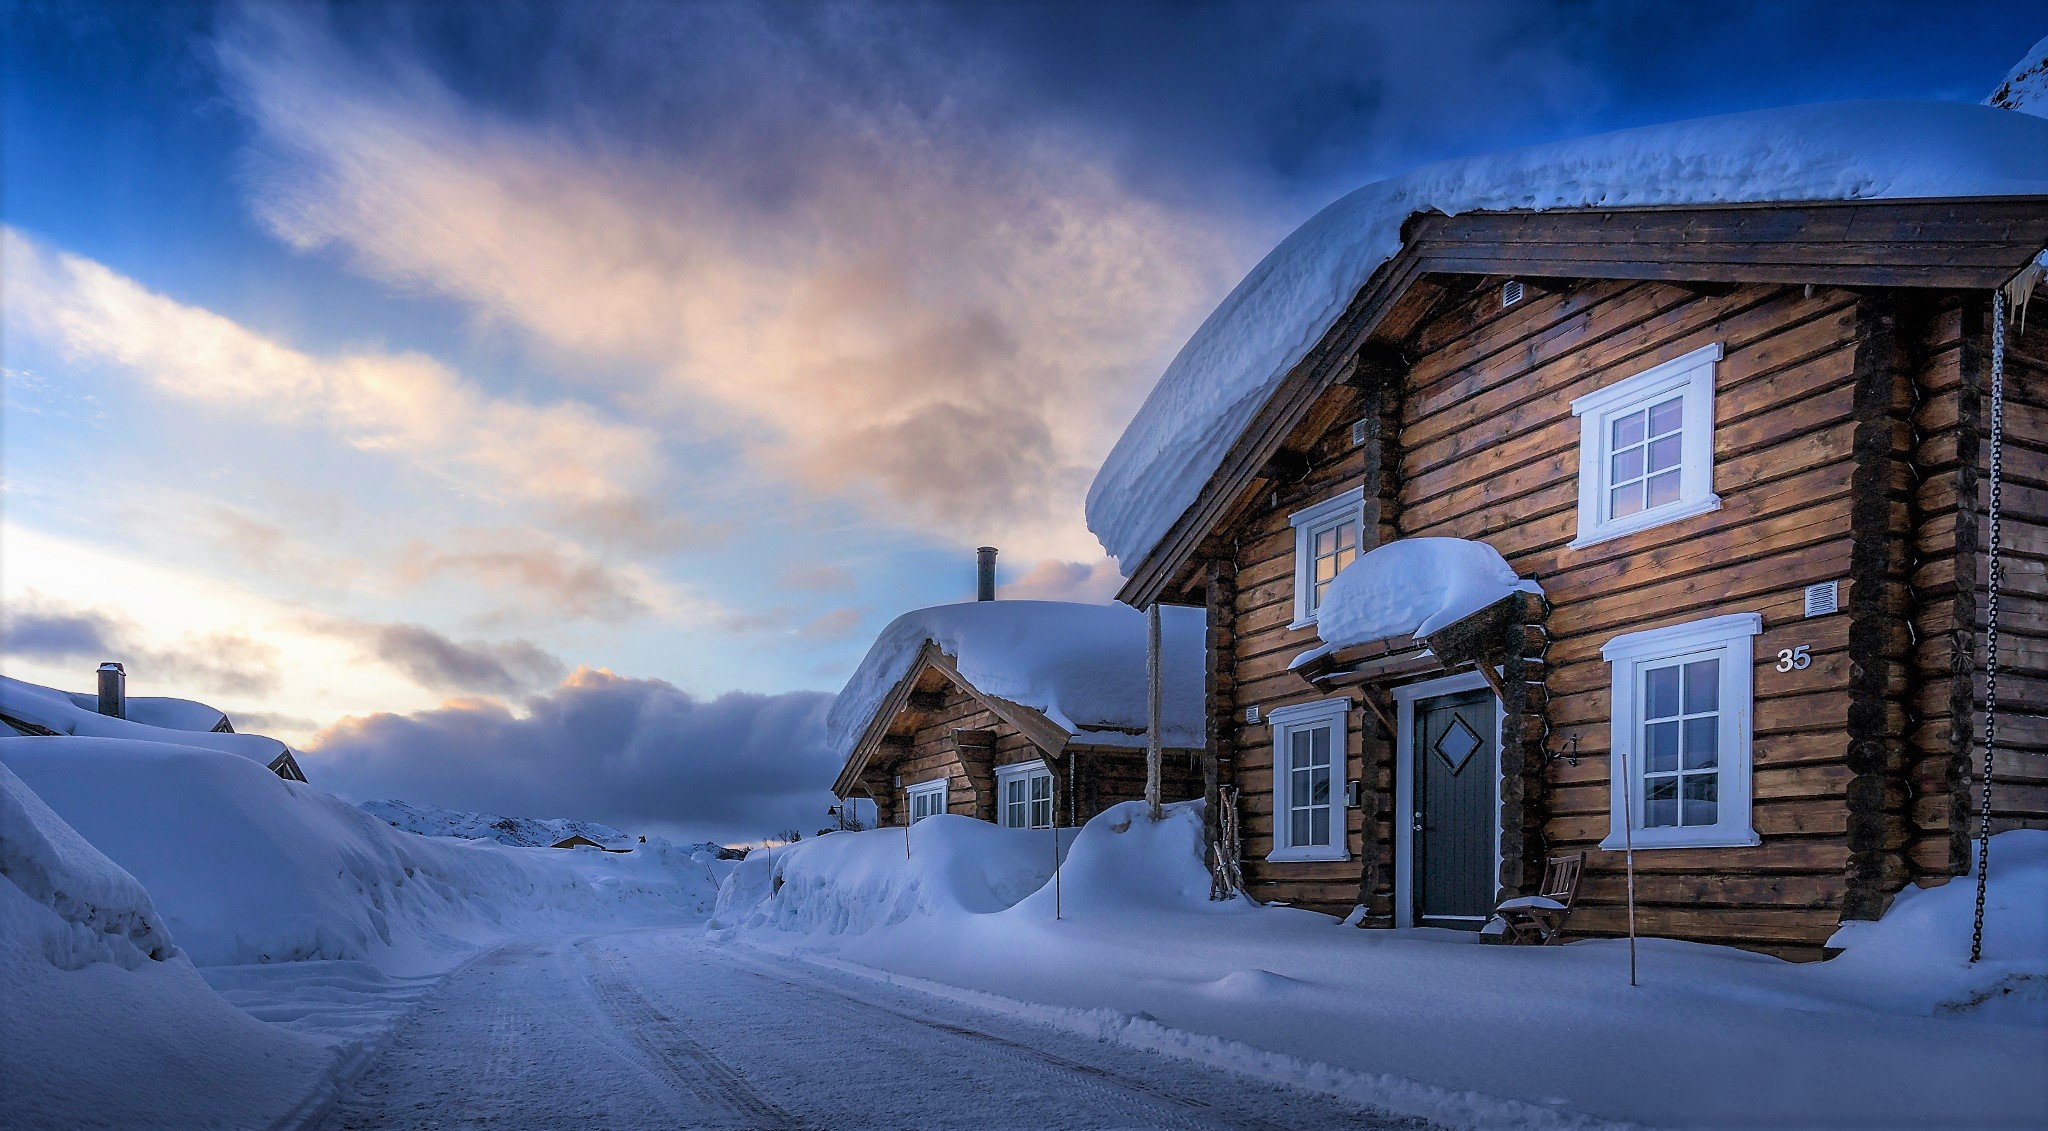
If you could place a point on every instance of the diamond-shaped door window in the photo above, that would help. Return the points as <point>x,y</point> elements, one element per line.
<point>1457,743</point>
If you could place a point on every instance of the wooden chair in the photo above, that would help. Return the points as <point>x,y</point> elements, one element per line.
<point>1540,918</point>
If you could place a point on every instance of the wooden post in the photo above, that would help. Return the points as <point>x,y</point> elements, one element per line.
<point>1628,840</point>
<point>1152,710</point>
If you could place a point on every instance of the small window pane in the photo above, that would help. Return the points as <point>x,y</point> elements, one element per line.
<point>1298,749</point>
<point>1319,826</point>
<point>1319,739</point>
<point>1660,692</point>
<point>1628,430</point>
<point>1626,465</point>
<point>1702,686</point>
<point>1667,416</point>
<point>1041,787</point>
<point>1665,452</point>
<point>1661,743</point>
<point>1660,803</point>
<point>1326,543</point>
<point>1625,501</point>
<point>1663,488</point>
<point>1702,743</point>
<point>1319,788</point>
<point>1702,798</point>
<point>1300,826</point>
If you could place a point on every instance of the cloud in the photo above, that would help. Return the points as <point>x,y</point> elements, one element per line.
<point>570,581</point>
<point>1051,580</point>
<point>819,579</point>
<point>835,625</point>
<point>899,291</point>
<point>633,753</point>
<point>587,472</point>
<point>38,629</point>
<point>439,664</point>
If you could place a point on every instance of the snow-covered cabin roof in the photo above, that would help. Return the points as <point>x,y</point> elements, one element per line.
<point>1230,368</point>
<point>1081,666</point>
<point>161,711</point>
<point>60,711</point>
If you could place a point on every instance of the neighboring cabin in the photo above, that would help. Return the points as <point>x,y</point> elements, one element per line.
<point>110,712</point>
<point>1739,446</point>
<point>1029,714</point>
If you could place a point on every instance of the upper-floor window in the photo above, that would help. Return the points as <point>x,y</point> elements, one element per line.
<point>927,799</point>
<point>1308,781</point>
<point>1024,792</point>
<point>1681,731</point>
<point>1327,537</point>
<point>1646,448</point>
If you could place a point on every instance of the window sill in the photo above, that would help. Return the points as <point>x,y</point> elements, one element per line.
<point>1702,838</point>
<point>1310,622</point>
<point>1675,513</point>
<point>1307,856</point>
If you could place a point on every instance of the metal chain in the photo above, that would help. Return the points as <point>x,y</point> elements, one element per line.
<point>1996,577</point>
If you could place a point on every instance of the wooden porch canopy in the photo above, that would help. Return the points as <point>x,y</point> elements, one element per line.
<point>922,691</point>
<point>1488,638</point>
<point>1963,243</point>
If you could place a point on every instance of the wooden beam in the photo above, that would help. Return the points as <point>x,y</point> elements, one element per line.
<point>927,700</point>
<point>1492,678</point>
<point>1372,704</point>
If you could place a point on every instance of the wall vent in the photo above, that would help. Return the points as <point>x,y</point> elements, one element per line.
<point>1251,715</point>
<point>1358,432</point>
<point>1821,599</point>
<point>1510,293</point>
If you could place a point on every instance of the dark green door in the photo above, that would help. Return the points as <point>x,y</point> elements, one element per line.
<point>1454,817</point>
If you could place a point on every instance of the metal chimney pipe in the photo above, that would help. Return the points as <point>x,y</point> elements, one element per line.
<point>113,690</point>
<point>985,573</point>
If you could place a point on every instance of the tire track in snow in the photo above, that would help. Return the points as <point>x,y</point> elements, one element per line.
<point>1170,1109</point>
<point>687,1063</point>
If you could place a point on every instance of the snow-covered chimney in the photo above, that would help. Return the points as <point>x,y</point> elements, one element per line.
<point>113,690</point>
<point>985,573</point>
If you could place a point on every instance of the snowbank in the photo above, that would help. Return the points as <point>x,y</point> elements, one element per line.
<point>1413,587</point>
<point>1227,371</point>
<point>852,883</point>
<point>1082,666</point>
<point>60,711</point>
<point>1899,1031</point>
<point>158,711</point>
<point>103,1023</point>
<point>246,867</point>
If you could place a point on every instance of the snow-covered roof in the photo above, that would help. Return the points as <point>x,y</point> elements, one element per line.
<point>60,711</point>
<point>1082,666</point>
<point>158,711</point>
<point>1231,366</point>
<point>1412,587</point>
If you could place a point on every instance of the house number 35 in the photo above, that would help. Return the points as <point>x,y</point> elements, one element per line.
<point>1796,659</point>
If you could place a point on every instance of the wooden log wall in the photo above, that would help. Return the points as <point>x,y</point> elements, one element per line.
<point>1103,775</point>
<point>2019,794</point>
<point>1487,449</point>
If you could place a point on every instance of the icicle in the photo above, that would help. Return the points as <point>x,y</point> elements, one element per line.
<point>2020,288</point>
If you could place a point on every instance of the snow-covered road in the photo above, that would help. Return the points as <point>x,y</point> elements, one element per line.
<point>658,1028</point>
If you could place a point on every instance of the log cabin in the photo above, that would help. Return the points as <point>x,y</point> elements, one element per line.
<point>1027,714</point>
<point>1728,439</point>
<point>28,709</point>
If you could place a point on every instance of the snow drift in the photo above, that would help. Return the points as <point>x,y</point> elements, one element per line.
<point>246,867</point>
<point>103,1022</point>
<point>1414,586</point>
<point>1082,666</point>
<point>1229,369</point>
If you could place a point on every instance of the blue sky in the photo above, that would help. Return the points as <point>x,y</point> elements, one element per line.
<point>409,358</point>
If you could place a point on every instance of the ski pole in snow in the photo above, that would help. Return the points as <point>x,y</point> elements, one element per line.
<point>1628,840</point>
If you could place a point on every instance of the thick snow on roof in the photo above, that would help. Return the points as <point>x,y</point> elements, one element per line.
<point>158,711</point>
<point>1413,587</point>
<point>60,711</point>
<point>1082,666</point>
<point>1229,369</point>
<point>2026,88</point>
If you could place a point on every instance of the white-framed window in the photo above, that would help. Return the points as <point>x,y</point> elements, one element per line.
<point>1646,448</point>
<point>1308,780</point>
<point>1024,796</point>
<point>1682,724</point>
<point>1327,537</point>
<point>926,799</point>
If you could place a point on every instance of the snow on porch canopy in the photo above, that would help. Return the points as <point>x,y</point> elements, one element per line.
<point>1413,587</point>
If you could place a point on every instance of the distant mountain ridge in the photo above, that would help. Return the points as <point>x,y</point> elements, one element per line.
<point>520,832</point>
